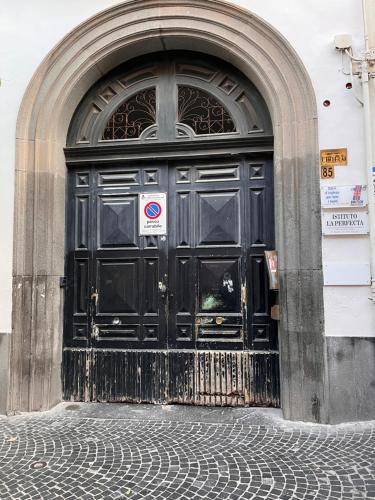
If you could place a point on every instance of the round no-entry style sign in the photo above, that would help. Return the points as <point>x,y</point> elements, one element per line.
<point>152,210</point>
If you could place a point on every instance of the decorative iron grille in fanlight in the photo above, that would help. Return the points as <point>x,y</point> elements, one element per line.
<point>202,112</point>
<point>132,117</point>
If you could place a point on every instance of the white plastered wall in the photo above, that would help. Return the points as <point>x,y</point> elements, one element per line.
<point>29,30</point>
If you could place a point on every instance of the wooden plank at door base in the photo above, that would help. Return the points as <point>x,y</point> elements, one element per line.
<point>211,378</point>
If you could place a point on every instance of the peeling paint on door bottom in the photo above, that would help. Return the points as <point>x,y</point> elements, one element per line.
<point>210,378</point>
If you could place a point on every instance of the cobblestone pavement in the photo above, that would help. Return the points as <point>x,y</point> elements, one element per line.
<point>147,452</point>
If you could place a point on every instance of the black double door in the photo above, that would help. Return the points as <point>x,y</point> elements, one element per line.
<point>182,307</point>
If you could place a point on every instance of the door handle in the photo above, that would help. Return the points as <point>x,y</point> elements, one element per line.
<point>94,300</point>
<point>94,297</point>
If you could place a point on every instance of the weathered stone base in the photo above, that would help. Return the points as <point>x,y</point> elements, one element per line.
<point>351,379</point>
<point>4,371</point>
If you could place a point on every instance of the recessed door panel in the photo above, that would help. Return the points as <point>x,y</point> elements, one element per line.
<point>81,287</point>
<point>118,290</point>
<point>118,333</point>
<point>186,290</point>
<point>119,178</point>
<point>81,222</point>
<point>217,173</point>
<point>257,211</point>
<point>117,221</point>
<point>218,218</point>
<point>258,282</point>
<point>219,286</point>
<point>184,222</point>
<point>151,291</point>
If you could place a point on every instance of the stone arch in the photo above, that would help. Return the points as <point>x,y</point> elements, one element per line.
<point>92,49</point>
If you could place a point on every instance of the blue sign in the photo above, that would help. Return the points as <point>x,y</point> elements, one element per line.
<point>152,210</point>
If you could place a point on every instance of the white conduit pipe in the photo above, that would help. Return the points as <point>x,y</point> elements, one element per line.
<point>368,145</point>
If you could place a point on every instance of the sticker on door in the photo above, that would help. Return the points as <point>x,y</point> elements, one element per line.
<point>152,213</point>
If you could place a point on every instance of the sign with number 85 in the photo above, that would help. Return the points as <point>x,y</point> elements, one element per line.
<point>327,172</point>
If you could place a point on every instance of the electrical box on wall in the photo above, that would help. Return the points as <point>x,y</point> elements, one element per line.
<point>343,42</point>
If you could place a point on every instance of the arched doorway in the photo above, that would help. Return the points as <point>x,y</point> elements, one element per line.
<point>170,210</point>
<point>121,33</point>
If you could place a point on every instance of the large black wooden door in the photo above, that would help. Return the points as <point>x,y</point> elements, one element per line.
<point>182,317</point>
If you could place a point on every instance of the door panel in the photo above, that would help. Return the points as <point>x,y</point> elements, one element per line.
<point>114,273</point>
<point>219,286</point>
<point>82,222</point>
<point>117,287</point>
<point>206,258</point>
<point>184,228</point>
<point>219,296</point>
<point>218,218</point>
<point>81,287</point>
<point>129,311</point>
<point>117,221</point>
<point>151,291</point>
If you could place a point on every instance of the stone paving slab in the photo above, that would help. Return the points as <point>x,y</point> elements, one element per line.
<point>99,451</point>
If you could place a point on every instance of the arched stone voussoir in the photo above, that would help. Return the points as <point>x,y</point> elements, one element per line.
<point>93,48</point>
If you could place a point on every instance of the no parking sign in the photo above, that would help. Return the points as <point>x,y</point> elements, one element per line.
<point>152,213</point>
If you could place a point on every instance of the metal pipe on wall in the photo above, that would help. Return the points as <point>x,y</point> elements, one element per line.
<point>368,102</point>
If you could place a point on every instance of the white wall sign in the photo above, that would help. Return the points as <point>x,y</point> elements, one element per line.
<point>345,223</point>
<point>344,196</point>
<point>346,273</point>
<point>152,213</point>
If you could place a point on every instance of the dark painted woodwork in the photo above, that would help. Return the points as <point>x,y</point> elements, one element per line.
<point>195,98</point>
<point>183,317</point>
<point>107,154</point>
<point>211,378</point>
<point>113,272</point>
<point>220,221</point>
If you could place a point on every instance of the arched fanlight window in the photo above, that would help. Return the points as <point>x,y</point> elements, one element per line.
<point>132,117</point>
<point>202,112</point>
<point>170,97</point>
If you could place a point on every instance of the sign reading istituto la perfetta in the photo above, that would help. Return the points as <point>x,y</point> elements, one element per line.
<point>345,223</point>
<point>152,214</point>
<point>344,196</point>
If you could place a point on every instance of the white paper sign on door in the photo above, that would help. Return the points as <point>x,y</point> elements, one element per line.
<point>152,213</point>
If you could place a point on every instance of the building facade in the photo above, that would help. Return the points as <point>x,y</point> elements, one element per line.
<point>243,124</point>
